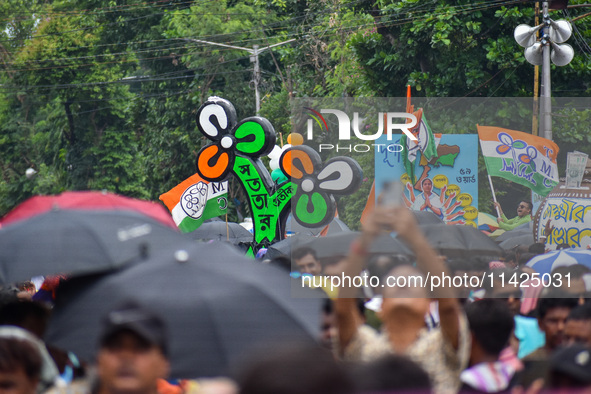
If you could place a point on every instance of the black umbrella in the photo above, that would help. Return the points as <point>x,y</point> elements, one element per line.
<point>222,231</point>
<point>525,228</point>
<point>79,242</point>
<point>517,240</point>
<point>460,240</point>
<point>338,245</point>
<point>424,217</point>
<point>286,246</point>
<point>335,226</point>
<point>217,305</point>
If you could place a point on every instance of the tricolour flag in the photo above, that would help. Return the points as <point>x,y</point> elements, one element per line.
<point>195,200</point>
<point>520,157</point>
<point>426,144</point>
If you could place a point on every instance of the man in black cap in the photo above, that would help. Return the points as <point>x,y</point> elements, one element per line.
<point>133,352</point>
<point>570,369</point>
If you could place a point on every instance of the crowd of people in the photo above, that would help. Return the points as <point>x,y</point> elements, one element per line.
<point>497,338</point>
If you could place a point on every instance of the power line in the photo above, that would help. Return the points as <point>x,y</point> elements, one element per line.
<point>480,6</point>
<point>476,7</point>
<point>222,73</point>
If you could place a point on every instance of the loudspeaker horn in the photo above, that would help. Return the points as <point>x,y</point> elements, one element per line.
<point>533,54</point>
<point>560,31</point>
<point>562,54</point>
<point>525,35</point>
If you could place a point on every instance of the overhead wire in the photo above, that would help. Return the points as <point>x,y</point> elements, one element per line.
<point>476,7</point>
<point>481,5</point>
<point>149,78</point>
<point>156,14</point>
<point>579,39</point>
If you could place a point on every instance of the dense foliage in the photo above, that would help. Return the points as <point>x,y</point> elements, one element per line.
<point>98,94</point>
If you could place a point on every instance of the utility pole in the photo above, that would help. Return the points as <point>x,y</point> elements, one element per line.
<point>254,58</point>
<point>546,92</point>
<point>536,109</point>
<point>256,76</point>
<point>541,53</point>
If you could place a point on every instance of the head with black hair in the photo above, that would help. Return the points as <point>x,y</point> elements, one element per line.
<point>30,315</point>
<point>510,259</point>
<point>570,369</point>
<point>8,295</point>
<point>133,350</point>
<point>282,262</point>
<point>537,248</point>
<point>328,327</point>
<point>303,251</point>
<point>578,326</point>
<point>524,258</point>
<point>294,369</point>
<point>553,308</point>
<point>379,266</point>
<point>491,324</point>
<point>524,208</point>
<point>20,366</point>
<point>474,266</point>
<point>306,261</point>
<point>575,284</point>
<point>499,287</point>
<point>389,374</point>
<point>520,250</point>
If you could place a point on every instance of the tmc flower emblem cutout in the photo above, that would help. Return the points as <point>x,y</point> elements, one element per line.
<point>252,137</point>
<point>313,204</point>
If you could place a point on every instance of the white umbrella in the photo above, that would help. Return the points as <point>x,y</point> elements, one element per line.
<point>546,263</point>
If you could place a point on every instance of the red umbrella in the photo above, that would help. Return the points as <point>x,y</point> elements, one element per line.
<point>99,200</point>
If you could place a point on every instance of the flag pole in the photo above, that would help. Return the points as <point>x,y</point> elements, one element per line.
<point>492,189</point>
<point>227,227</point>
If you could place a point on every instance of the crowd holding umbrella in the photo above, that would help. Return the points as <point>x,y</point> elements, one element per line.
<point>78,242</point>
<point>220,307</point>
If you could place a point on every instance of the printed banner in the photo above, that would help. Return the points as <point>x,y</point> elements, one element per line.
<point>565,218</point>
<point>195,200</point>
<point>520,157</point>
<point>446,185</point>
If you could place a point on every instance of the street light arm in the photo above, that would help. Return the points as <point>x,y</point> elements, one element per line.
<point>219,44</point>
<point>274,45</point>
<point>251,51</point>
<point>254,58</point>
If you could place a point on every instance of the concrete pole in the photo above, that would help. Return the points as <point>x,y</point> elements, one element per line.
<point>535,127</point>
<point>254,58</point>
<point>256,77</point>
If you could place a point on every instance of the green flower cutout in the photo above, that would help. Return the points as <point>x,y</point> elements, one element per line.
<point>313,204</point>
<point>252,137</point>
